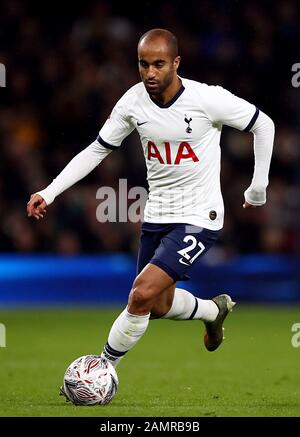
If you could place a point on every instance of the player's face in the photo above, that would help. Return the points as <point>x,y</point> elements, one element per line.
<point>157,67</point>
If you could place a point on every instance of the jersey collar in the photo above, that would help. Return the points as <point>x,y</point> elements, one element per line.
<point>170,102</point>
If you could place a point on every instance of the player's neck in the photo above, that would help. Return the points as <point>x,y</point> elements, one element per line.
<point>170,92</point>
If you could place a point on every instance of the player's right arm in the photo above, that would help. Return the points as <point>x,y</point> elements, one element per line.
<point>110,137</point>
<point>80,166</point>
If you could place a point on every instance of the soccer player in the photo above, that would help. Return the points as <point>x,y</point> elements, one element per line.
<point>179,122</point>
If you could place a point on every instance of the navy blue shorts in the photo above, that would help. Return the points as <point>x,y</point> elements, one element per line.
<point>175,247</point>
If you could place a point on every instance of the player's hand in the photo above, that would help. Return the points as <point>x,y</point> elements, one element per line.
<point>36,207</point>
<point>254,196</point>
<point>247,205</point>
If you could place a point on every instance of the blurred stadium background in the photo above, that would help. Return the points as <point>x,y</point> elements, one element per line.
<point>66,68</point>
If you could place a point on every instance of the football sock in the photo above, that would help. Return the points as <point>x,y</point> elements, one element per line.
<point>125,332</point>
<point>186,306</point>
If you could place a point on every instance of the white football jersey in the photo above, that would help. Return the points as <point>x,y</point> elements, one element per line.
<point>181,144</point>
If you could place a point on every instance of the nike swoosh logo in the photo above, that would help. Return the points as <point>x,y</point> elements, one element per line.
<point>140,124</point>
<point>183,262</point>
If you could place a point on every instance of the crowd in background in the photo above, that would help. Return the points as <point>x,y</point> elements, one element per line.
<point>67,66</point>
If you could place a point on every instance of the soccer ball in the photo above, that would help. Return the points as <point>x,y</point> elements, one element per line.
<point>90,380</point>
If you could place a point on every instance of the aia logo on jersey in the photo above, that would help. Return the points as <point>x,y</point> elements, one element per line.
<point>165,156</point>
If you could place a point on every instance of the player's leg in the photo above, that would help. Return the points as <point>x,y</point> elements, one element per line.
<point>163,303</point>
<point>179,304</point>
<point>131,324</point>
<point>150,286</point>
<point>154,293</point>
<point>177,252</point>
<point>186,306</point>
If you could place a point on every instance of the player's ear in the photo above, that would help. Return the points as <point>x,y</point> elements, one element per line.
<point>176,62</point>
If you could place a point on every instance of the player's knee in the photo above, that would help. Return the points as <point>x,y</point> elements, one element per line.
<point>137,299</point>
<point>141,295</point>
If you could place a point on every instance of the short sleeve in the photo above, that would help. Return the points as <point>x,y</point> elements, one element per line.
<point>223,107</point>
<point>117,127</point>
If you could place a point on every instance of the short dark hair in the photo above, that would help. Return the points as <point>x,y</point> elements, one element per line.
<point>169,37</point>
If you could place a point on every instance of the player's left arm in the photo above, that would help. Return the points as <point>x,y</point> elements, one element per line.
<point>223,107</point>
<point>263,130</point>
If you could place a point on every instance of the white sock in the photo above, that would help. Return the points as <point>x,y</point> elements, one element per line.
<point>186,306</point>
<point>125,332</point>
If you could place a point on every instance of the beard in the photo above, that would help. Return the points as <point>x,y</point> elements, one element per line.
<point>156,88</point>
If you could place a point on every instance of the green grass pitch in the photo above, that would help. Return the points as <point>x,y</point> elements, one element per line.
<point>169,373</point>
